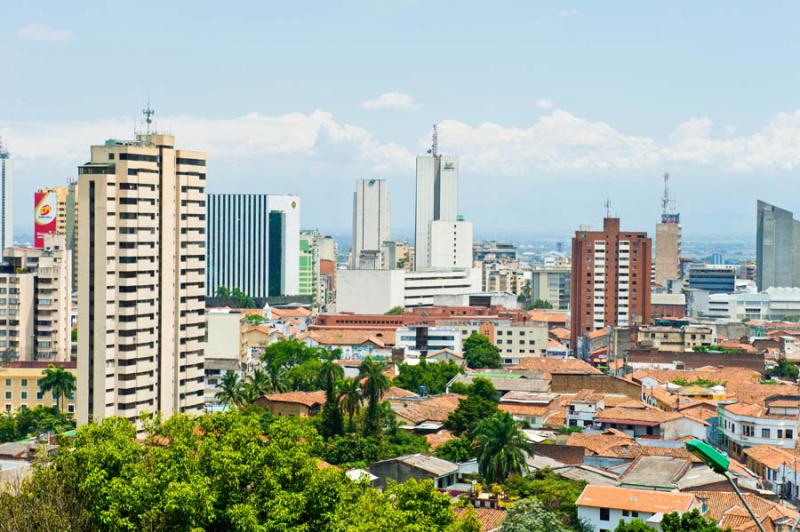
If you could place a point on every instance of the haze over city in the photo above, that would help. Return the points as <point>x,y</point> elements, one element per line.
<point>552,108</point>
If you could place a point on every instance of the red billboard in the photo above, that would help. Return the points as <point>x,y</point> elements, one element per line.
<point>44,216</point>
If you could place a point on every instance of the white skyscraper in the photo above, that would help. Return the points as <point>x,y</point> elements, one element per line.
<point>437,198</point>
<point>451,244</point>
<point>283,245</point>
<point>6,198</point>
<point>370,218</point>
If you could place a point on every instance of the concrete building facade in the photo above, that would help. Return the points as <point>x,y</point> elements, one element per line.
<point>6,198</point>
<point>668,252</point>
<point>371,226</point>
<point>610,279</point>
<point>142,267</point>
<point>451,244</point>
<point>283,250</point>
<point>436,199</point>
<point>777,247</point>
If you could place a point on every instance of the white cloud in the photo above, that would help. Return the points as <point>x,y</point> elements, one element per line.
<point>391,100</point>
<point>544,103</point>
<point>567,12</point>
<point>314,135</point>
<point>43,33</point>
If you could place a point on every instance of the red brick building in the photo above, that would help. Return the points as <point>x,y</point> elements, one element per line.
<point>610,279</point>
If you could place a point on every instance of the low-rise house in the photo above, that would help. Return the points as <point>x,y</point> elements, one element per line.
<point>19,386</point>
<point>418,466</point>
<point>532,408</point>
<point>506,381</point>
<point>354,344</point>
<point>651,422</point>
<point>446,355</point>
<point>426,414</point>
<point>303,404</point>
<point>775,422</point>
<point>603,507</point>
<point>726,510</point>
<point>776,467</point>
<point>582,408</point>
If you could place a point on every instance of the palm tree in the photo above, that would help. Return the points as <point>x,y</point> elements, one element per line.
<point>59,381</point>
<point>501,447</point>
<point>278,377</point>
<point>230,389</point>
<point>350,398</point>
<point>260,382</point>
<point>374,384</point>
<point>330,373</point>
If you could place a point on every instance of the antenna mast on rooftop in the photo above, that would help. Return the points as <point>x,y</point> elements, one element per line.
<point>435,143</point>
<point>669,214</point>
<point>148,113</point>
<point>607,204</point>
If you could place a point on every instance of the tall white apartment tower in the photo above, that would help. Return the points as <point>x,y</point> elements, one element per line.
<point>6,198</point>
<point>283,245</point>
<point>437,197</point>
<point>141,290</point>
<point>370,218</point>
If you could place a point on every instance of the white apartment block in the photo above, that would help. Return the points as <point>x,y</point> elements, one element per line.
<point>775,422</point>
<point>370,219</point>
<point>142,272</point>
<point>551,284</point>
<point>451,244</point>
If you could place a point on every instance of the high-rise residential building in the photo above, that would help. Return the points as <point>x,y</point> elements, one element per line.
<point>50,213</point>
<point>370,219</point>
<point>610,279</point>
<point>552,284</point>
<point>668,240</point>
<point>328,249</point>
<point>141,291</point>
<point>71,230</point>
<point>436,197</point>
<point>283,245</point>
<point>777,247</point>
<point>450,244</point>
<point>39,298</point>
<point>6,198</point>
<point>309,276</point>
<point>236,235</point>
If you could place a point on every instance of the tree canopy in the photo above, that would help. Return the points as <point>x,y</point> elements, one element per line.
<point>529,514</point>
<point>479,352</point>
<point>480,403</point>
<point>433,375</point>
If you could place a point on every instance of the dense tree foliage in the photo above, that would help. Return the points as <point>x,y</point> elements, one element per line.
<point>373,385</point>
<point>784,369</point>
<point>502,447</point>
<point>557,494</point>
<point>235,297</point>
<point>457,450</point>
<point>674,522</point>
<point>529,514</point>
<point>480,403</point>
<point>215,472</point>
<point>28,422</point>
<point>434,376</point>
<point>395,311</point>
<point>479,352</point>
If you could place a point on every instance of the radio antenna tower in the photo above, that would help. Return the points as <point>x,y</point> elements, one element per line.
<point>669,214</point>
<point>435,143</point>
<point>148,113</point>
<point>607,204</point>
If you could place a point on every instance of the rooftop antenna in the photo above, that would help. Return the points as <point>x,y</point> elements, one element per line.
<point>148,113</point>
<point>607,204</point>
<point>669,214</point>
<point>435,143</point>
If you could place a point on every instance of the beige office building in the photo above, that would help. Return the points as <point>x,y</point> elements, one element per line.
<point>141,288</point>
<point>668,252</point>
<point>38,306</point>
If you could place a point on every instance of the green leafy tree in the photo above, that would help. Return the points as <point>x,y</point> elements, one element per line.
<point>395,311</point>
<point>255,319</point>
<point>479,352</point>
<point>480,403</point>
<point>58,381</point>
<point>556,493</point>
<point>456,450</point>
<point>529,514</point>
<point>230,389</point>
<point>350,399</point>
<point>784,369</point>
<point>540,303</point>
<point>502,447</point>
<point>305,376</point>
<point>330,375</point>
<point>634,525</point>
<point>433,375</point>
<point>688,522</point>
<point>374,385</point>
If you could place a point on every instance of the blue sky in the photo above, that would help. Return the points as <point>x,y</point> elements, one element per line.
<point>551,106</point>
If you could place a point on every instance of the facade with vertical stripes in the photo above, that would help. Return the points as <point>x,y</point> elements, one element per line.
<point>237,237</point>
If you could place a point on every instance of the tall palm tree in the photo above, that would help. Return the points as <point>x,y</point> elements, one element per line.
<point>374,384</point>
<point>278,377</point>
<point>59,381</point>
<point>330,373</point>
<point>260,382</point>
<point>501,447</point>
<point>350,398</point>
<point>230,389</point>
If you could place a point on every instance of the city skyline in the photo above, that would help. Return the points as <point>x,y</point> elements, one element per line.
<point>560,102</point>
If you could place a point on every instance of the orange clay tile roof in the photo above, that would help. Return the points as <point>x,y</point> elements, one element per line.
<point>555,365</point>
<point>489,518</point>
<point>750,410</point>
<point>595,496</point>
<point>652,415</point>
<point>585,396</point>
<point>599,333</point>
<point>561,333</point>
<point>756,393</point>
<point>397,392</point>
<point>726,509</point>
<point>437,439</point>
<point>349,337</point>
<point>600,444</point>
<point>549,317</point>
<point>529,410</point>
<point>552,344</point>
<point>771,456</point>
<point>435,408</point>
<point>635,451</point>
<point>293,312</point>
<point>308,399</point>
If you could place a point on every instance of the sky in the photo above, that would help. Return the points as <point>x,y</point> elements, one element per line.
<point>552,107</point>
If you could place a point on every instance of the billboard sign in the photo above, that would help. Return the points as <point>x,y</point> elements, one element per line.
<point>44,216</point>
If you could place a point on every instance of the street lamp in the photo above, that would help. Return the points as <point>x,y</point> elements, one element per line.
<point>720,463</point>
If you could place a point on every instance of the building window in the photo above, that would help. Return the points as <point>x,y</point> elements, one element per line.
<point>24,382</point>
<point>23,395</point>
<point>765,433</point>
<point>789,434</point>
<point>605,514</point>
